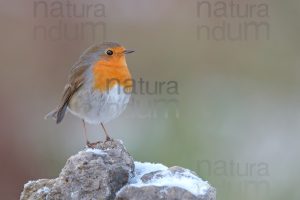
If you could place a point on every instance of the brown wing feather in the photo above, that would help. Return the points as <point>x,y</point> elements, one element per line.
<point>65,101</point>
<point>76,80</point>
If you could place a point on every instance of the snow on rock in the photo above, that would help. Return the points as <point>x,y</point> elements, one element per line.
<point>144,168</point>
<point>45,190</point>
<point>156,181</point>
<point>173,177</point>
<point>95,151</point>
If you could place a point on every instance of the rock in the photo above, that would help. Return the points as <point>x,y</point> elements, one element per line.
<point>164,193</point>
<point>108,172</point>
<point>90,174</point>
<point>37,189</point>
<point>156,181</point>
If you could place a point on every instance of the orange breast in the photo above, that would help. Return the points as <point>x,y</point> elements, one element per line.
<point>108,74</point>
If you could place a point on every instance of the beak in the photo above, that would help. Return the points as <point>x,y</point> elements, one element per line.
<point>128,51</point>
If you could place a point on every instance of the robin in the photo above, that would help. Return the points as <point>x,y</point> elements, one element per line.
<point>99,87</point>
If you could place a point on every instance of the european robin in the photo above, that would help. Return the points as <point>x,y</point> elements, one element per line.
<point>99,87</point>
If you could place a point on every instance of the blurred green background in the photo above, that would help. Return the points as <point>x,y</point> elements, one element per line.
<point>235,119</point>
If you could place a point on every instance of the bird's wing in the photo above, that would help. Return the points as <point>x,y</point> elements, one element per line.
<point>76,80</point>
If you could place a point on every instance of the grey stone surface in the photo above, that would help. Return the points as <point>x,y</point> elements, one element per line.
<point>90,174</point>
<point>108,172</point>
<point>162,192</point>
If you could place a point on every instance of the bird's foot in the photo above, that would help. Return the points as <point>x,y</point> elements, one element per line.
<point>108,139</point>
<point>92,145</point>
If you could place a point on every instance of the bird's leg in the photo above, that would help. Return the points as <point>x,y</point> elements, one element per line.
<point>107,137</point>
<point>85,135</point>
<point>88,143</point>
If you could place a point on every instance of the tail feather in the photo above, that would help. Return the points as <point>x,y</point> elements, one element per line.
<point>61,113</point>
<point>57,114</point>
<point>52,114</point>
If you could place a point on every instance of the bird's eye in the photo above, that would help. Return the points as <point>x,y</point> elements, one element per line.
<point>109,52</point>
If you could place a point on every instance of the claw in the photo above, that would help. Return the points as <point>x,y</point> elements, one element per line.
<point>107,139</point>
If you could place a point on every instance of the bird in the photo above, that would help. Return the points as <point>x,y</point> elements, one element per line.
<point>98,88</point>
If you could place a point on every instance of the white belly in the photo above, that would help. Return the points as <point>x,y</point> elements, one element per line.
<point>95,107</point>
